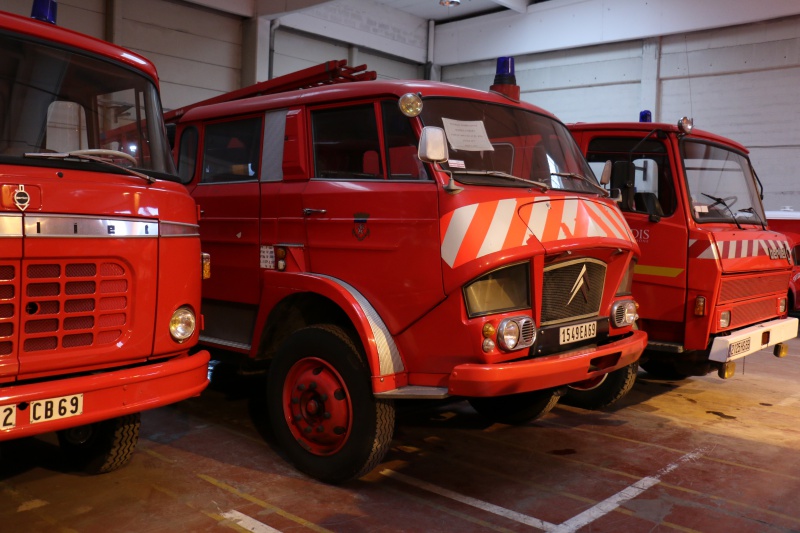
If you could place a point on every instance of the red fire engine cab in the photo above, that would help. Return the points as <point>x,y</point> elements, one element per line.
<point>100,269</point>
<point>712,279</point>
<point>388,240</point>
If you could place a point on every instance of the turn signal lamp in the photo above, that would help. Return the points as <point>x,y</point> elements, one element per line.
<point>781,349</point>
<point>44,10</point>
<point>782,305</point>
<point>727,370</point>
<point>724,319</point>
<point>489,330</point>
<point>700,306</point>
<point>205,260</point>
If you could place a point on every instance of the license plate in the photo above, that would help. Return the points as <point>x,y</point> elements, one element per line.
<point>578,332</point>
<point>8,416</point>
<point>739,347</point>
<point>56,408</point>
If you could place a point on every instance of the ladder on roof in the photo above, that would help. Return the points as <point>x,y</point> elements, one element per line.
<point>330,72</point>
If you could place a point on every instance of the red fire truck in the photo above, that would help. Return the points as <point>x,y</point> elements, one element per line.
<point>100,270</point>
<point>787,221</point>
<point>380,241</point>
<point>712,279</point>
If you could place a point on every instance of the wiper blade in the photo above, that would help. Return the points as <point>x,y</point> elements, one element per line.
<point>722,201</point>
<point>581,177</point>
<point>96,156</point>
<point>753,212</point>
<point>496,173</point>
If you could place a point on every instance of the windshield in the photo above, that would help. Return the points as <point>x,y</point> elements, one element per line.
<point>721,184</point>
<point>57,100</point>
<point>492,144</point>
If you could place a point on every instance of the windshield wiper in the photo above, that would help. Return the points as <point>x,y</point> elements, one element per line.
<point>722,201</point>
<point>82,154</point>
<point>753,211</point>
<point>581,177</point>
<point>496,173</point>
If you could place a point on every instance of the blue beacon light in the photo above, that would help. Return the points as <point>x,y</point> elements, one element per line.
<point>645,116</point>
<point>44,10</point>
<point>505,81</point>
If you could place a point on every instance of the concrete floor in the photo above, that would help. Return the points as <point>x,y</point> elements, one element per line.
<point>700,454</point>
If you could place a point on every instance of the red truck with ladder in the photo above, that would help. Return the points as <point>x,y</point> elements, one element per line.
<point>100,270</point>
<point>712,279</point>
<point>388,240</point>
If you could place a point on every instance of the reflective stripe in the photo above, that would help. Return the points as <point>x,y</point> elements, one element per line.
<point>179,229</point>
<point>11,225</point>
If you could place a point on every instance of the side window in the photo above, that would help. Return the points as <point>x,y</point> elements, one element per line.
<point>187,154</point>
<point>401,145</point>
<point>231,151</point>
<point>654,192</point>
<point>346,143</point>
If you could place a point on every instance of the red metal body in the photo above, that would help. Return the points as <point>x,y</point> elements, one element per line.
<point>731,264</point>
<point>96,258</point>
<point>788,223</point>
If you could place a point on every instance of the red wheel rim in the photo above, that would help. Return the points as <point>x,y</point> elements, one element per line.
<point>589,384</point>
<point>317,406</point>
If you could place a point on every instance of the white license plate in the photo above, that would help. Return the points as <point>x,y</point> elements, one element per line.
<point>56,408</point>
<point>578,332</point>
<point>739,347</point>
<point>8,416</point>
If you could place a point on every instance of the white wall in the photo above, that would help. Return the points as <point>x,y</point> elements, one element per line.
<point>740,82</point>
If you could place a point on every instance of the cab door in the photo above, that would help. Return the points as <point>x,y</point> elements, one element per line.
<point>226,188</point>
<point>371,209</point>
<point>655,216</point>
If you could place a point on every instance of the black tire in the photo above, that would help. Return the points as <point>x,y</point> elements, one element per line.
<point>605,393</point>
<point>101,447</point>
<point>321,407</point>
<point>517,408</point>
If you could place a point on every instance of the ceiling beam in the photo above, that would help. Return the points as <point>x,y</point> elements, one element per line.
<point>243,8</point>
<point>520,6</point>
<point>277,8</point>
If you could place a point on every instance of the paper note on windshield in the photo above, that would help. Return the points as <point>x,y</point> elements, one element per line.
<point>467,135</point>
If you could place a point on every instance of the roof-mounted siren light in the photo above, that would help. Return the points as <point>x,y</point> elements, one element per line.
<point>44,10</point>
<point>645,116</point>
<point>505,82</point>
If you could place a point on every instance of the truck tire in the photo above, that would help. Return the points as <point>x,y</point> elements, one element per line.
<point>103,446</point>
<point>517,408</point>
<point>322,410</point>
<point>606,392</point>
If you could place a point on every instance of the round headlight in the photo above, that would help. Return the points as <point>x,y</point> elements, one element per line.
<point>508,334</point>
<point>624,313</point>
<point>410,104</point>
<point>182,324</point>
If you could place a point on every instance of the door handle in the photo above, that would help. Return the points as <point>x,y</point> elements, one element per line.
<point>307,212</point>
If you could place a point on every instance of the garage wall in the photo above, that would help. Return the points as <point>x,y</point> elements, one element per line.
<point>739,82</point>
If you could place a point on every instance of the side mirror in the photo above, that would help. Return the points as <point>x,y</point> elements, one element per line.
<point>433,145</point>
<point>605,177</point>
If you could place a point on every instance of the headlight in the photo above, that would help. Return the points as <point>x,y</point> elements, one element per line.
<point>515,333</point>
<point>724,319</point>
<point>504,289</point>
<point>626,285</point>
<point>182,324</point>
<point>623,313</point>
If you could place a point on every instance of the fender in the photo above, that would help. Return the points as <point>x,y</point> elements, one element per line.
<point>386,364</point>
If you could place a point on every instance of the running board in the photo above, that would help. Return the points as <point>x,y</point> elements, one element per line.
<point>415,392</point>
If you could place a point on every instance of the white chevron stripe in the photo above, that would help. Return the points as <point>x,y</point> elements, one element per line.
<point>498,229</point>
<point>459,224</point>
<point>568,218</point>
<point>537,221</point>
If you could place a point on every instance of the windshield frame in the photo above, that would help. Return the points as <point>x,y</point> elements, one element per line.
<point>472,123</point>
<point>716,205</point>
<point>76,108</point>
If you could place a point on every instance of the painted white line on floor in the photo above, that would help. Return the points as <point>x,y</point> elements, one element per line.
<point>485,506</point>
<point>571,525</point>
<point>250,524</point>
<point>609,504</point>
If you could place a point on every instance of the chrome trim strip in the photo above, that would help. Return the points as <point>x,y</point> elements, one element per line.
<point>415,392</point>
<point>93,227</point>
<point>11,225</point>
<point>388,354</point>
<point>223,342</point>
<point>179,229</point>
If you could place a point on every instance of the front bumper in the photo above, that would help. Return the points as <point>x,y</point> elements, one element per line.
<point>480,380</point>
<point>105,395</point>
<point>750,340</point>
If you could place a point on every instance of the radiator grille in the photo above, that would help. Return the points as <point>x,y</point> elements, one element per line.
<point>733,289</point>
<point>753,312</point>
<point>8,291</point>
<point>68,305</point>
<point>572,290</point>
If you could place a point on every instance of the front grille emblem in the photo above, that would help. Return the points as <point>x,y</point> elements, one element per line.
<point>581,284</point>
<point>22,198</point>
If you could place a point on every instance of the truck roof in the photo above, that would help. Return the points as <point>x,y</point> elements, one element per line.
<point>646,127</point>
<point>56,34</point>
<point>345,92</point>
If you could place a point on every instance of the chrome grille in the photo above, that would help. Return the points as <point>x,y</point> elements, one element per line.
<point>527,331</point>
<point>572,290</point>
